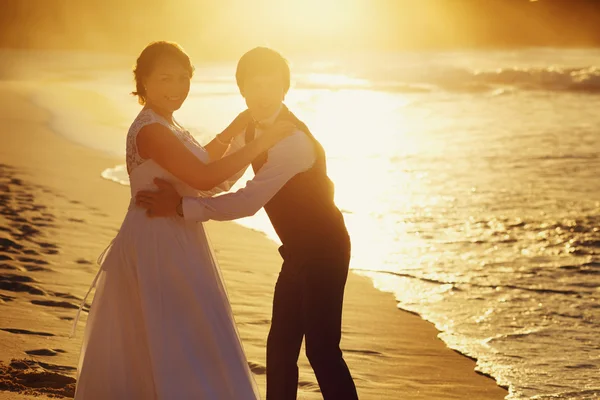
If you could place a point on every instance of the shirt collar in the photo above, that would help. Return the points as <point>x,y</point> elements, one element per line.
<point>269,120</point>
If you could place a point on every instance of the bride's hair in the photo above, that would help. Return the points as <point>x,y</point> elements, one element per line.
<point>262,61</point>
<point>147,59</point>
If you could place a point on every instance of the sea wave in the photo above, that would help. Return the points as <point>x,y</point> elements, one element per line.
<point>445,78</point>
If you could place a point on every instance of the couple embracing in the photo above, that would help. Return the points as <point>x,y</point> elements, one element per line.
<point>160,325</point>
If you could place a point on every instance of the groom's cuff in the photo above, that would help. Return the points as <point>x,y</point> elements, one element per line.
<point>193,209</point>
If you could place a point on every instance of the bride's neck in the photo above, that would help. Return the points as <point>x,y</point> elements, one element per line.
<point>168,115</point>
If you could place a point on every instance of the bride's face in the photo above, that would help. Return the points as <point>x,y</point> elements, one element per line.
<point>263,94</point>
<point>168,85</point>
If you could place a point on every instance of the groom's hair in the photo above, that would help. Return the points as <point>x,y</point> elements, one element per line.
<point>262,61</point>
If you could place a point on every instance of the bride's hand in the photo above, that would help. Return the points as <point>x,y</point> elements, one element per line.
<point>278,131</point>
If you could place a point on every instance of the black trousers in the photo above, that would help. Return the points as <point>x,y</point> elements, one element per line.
<point>308,304</point>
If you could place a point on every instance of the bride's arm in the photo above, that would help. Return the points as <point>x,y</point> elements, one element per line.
<point>216,148</point>
<point>158,143</point>
<point>236,144</point>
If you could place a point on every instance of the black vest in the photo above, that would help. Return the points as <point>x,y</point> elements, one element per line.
<point>303,212</point>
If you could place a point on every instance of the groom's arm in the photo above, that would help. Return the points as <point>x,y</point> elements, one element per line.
<point>287,158</point>
<point>226,142</point>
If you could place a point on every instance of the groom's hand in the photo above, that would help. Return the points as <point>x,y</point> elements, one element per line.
<point>162,203</point>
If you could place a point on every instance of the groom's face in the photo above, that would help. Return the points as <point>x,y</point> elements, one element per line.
<point>263,94</point>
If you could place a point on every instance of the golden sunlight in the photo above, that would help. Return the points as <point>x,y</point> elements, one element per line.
<point>223,30</point>
<point>285,24</point>
<point>446,150</point>
<point>315,17</point>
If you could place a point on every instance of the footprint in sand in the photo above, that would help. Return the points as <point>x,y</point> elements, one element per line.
<point>9,246</point>
<point>42,219</point>
<point>366,352</point>
<point>56,368</point>
<point>19,283</point>
<point>36,268</point>
<point>52,303</point>
<point>34,264</point>
<point>47,245</point>
<point>8,213</point>
<point>16,278</point>
<point>9,267</point>
<point>37,378</point>
<point>25,196</point>
<point>256,368</point>
<point>259,322</point>
<point>6,298</point>
<point>30,252</point>
<point>33,260</point>
<point>49,248</point>
<point>309,386</point>
<point>45,352</point>
<point>66,296</point>
<point>44,225</point>
<point>25,332</point>
<point>28,230</point>
<point>86,306</point>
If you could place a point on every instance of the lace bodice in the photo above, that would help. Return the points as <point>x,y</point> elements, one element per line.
<point>147,117</point>
<point>143,171</point>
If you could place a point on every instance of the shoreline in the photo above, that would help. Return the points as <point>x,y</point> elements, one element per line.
<point>386,348</point>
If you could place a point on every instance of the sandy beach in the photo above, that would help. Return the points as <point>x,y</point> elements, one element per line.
<point>57,215</point>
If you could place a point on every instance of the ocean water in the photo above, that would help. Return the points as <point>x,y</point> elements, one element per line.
<point>469,182</point>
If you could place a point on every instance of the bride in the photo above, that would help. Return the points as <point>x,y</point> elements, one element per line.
<point>160,325</point>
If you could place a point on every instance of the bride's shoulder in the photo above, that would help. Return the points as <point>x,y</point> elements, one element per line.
<point>145,117</point>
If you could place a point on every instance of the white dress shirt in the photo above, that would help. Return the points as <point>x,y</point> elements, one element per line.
<point>289,157</point>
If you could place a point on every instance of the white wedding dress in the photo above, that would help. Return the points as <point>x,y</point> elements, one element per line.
<point>160,325</point>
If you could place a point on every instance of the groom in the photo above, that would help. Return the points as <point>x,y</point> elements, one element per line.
<point>291,183</point>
